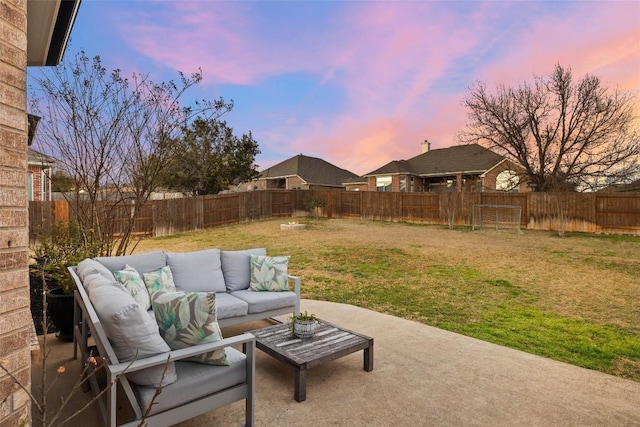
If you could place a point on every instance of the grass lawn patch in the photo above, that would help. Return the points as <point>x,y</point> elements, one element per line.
<point>574,299</point>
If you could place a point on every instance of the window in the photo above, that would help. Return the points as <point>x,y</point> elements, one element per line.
<point>507,181</point>
<point>44,179</point>
<point>383,183</point>
<point>403,184</point>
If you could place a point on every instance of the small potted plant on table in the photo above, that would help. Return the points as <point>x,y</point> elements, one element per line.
<point>303,325</point>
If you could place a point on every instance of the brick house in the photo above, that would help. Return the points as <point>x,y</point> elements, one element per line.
<point>300,172</point>
<point>461,167</point>
<point>49,24</point>
<point>38,176</point>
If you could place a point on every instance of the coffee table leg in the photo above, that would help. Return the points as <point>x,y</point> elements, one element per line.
<point>300,387</point>
<point>368,358</point>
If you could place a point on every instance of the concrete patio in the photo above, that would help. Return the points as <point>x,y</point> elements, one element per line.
<point>422,376</point>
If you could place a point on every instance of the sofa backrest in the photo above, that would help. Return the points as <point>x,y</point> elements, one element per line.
<point>144,263</point>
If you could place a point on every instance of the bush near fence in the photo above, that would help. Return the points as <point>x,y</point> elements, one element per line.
<point>611,213</point>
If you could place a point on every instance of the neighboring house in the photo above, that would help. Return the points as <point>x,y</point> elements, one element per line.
<point>623,188</point>
<point>300,172</point>
<point>38,176</point>
<point>461,167</point>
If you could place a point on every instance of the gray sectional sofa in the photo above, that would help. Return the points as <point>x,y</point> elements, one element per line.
<point>138,358</point>
<point>224,272</point>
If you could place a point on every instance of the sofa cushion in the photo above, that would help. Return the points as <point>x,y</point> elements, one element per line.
<point>268,273</point>
<point>228,306</point>
<point>199,271</point>
<point>132,333</point>
<point>144,263</point>
<point>236,267</point>
<point>194,381</point>
<point>96,280</point>
<point>160,280</point>
<point>265,301</point>
<point>133,283</point>
<point>90,266</point>
<point>187,319</point>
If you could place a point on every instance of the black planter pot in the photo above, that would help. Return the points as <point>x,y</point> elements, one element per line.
<point>35,282</point>
<point>60,310</point>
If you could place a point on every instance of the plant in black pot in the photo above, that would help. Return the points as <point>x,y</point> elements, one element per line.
<point>51,284</point>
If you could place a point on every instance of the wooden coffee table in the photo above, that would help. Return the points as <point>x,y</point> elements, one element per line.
<point>329,342</point>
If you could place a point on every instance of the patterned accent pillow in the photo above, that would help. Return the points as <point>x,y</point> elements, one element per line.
<point>269,273</point>
<point>160,280</point>
<point>186,319</point>
<point>132,281</point>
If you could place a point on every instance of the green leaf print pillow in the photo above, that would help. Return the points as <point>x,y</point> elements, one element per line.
<point>268,273</point>
<point>132,281</point>
<point>186,319</point>
<point>159,280</point>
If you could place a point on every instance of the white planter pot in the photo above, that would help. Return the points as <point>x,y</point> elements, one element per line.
<point>304,328</point>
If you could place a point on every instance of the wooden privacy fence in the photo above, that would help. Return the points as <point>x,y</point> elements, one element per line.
<point>612,213</point>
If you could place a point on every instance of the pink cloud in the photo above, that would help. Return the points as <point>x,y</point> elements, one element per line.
<point>401,67</point>
<point>221,39</point>
<point>597,38</point>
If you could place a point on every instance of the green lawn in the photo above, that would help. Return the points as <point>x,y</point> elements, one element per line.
<point>574,299</point>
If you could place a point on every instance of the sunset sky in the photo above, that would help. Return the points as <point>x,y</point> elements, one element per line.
<point>358,83</point>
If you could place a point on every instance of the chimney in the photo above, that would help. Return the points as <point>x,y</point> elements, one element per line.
<point>426,146</point>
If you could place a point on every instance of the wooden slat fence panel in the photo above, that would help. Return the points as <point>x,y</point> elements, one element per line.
<point>585,212</point>
<point>567,211</point>
<point>350,205</point>
<point>220,210</point>
<point>420,207</point>
<point>173,216</point>
<point>282,204</point>
<point>250,206</point>
<point>384,206</point>
<point>618,212</point>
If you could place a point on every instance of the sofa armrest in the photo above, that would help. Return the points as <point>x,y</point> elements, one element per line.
<point>245,339</point>
<point>296,289</point>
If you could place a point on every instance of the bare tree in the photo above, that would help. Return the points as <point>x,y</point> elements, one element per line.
<point>566,135</point>
<point>113,136</point>
<point>451,201</point>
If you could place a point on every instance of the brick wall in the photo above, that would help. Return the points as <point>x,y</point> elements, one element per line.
<point>296,182</point>
<point>37,173</point>
<point>489,181</point>
<point>15,316</point>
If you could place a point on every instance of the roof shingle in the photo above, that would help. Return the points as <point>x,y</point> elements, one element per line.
<point>312,170</point>
<point>444,161</point>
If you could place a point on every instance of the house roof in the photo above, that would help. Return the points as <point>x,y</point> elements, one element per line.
<point>464,159</point>
<point>312,170</point>
<point>49,26</point>
<point>632,186</point>
<point>37,158</point>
